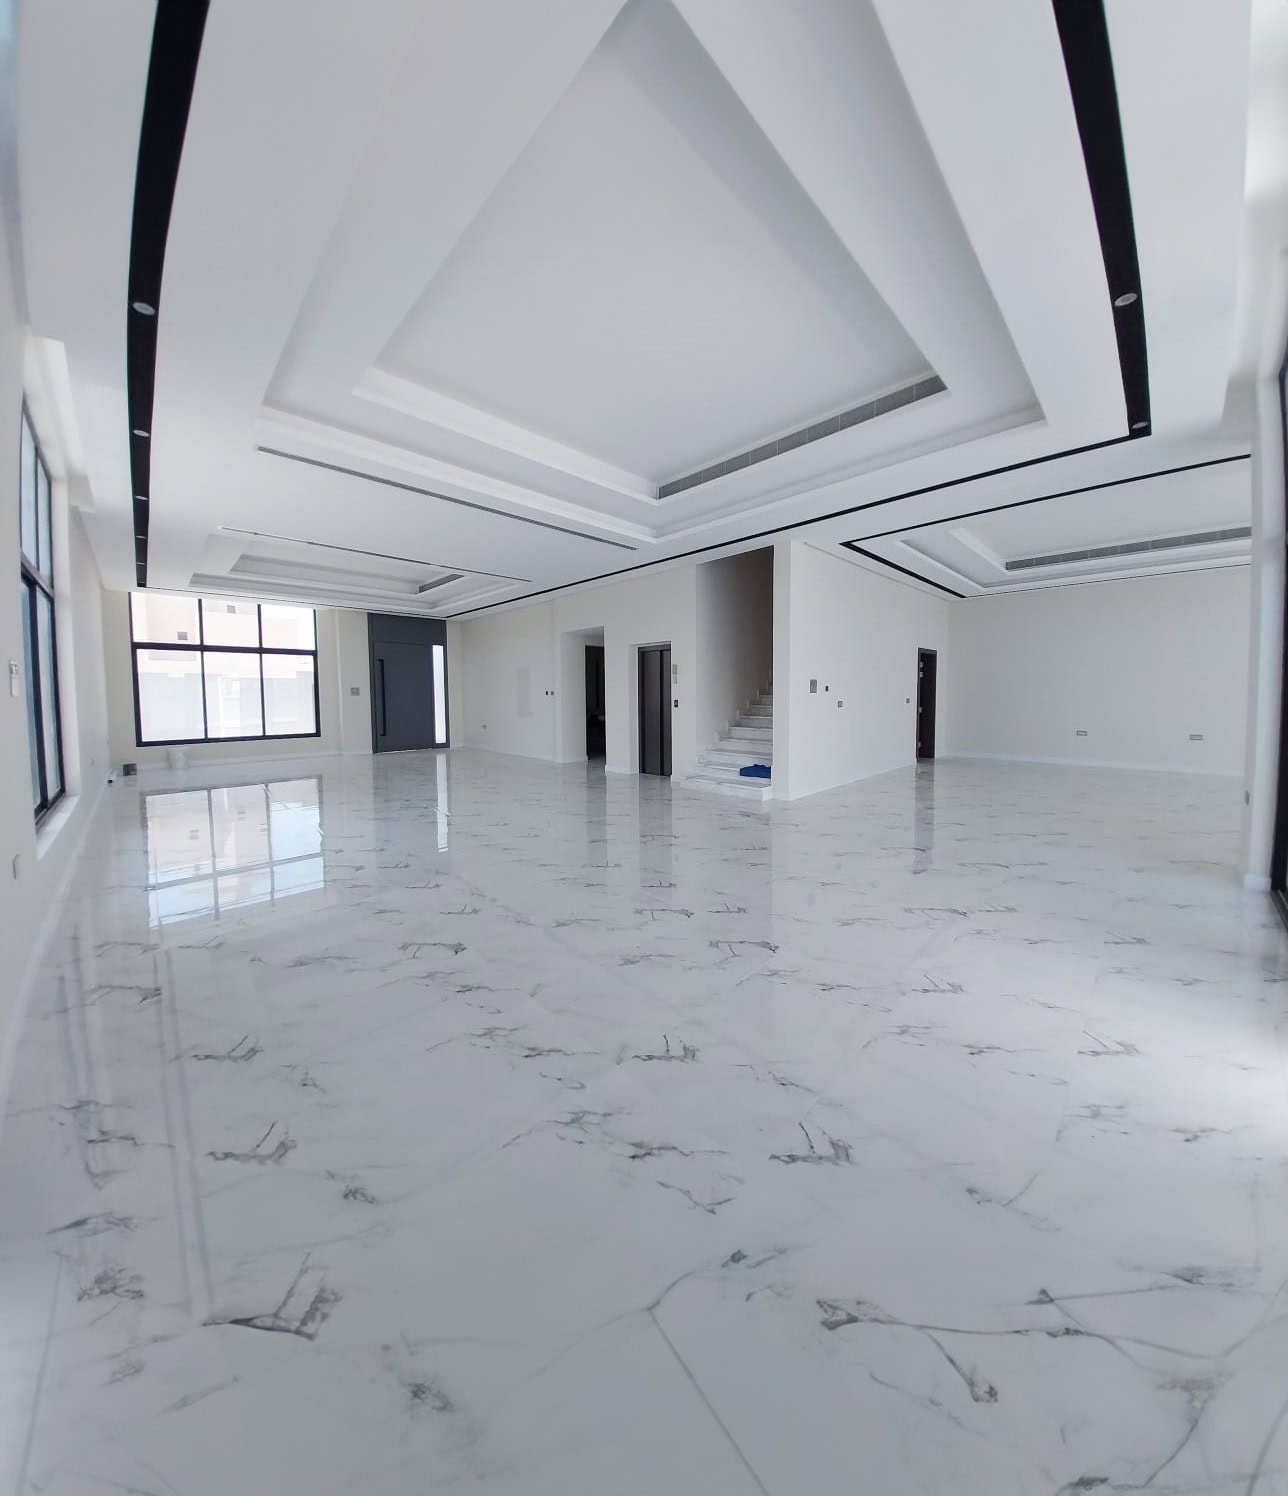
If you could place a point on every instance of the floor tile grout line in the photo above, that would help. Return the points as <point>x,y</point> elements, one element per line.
<point>21,1484</point>
<point>720,1423</point>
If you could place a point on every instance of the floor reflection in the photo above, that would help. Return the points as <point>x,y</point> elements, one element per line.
<point>215,850</point>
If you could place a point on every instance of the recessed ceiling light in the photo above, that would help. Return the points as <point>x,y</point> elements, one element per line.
<point>1125,299</point>
<point>139,431</point>
<point>144,308</point>
<point>1139,425</point>
<point>141,497</point>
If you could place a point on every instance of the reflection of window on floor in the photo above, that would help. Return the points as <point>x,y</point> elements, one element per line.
<point>212,851</point>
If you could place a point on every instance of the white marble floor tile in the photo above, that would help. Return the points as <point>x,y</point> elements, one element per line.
<point>500,1127</point>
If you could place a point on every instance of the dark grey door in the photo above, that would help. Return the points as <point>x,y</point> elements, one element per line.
<point>655,710</point>
<point>408,682</point>
<point>927,666</point>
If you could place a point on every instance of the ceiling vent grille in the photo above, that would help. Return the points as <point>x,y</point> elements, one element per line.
<point>920,389</point>
<point>1132,548</point>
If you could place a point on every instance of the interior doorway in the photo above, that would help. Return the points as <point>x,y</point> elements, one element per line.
<point>408,682</point>
<point>927,668</point>
<point>596,720</point>
<point>655,709</point>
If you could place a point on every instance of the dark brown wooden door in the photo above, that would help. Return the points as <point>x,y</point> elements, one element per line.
<point>927,665</point>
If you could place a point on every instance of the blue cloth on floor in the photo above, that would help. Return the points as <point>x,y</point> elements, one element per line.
<point>755,771</point>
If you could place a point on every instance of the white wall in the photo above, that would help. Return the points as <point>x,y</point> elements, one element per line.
<point>857,634</point>
<point>516,666</point>
<point>343,662</point>
<point>29,899</point>
<point>735,624</point>
<point>1139,664</point>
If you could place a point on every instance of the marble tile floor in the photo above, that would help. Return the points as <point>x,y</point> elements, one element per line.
<point>454,1123</point>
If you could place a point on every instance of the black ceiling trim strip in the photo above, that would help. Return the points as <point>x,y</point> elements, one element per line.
<point>907,571</point>
<point>1089,66</point>
<point>172,75</point>
<point>1063,493</point>
<point>859,544</point>
<point>429,493</point>
<point>799,524</point>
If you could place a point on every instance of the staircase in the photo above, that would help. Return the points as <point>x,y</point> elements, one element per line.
<point>749,741</point>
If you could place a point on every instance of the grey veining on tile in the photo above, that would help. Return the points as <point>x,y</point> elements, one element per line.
<point>454,1122</point>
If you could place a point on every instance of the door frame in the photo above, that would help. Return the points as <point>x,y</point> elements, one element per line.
<point>934,706</point>
<point>639,706</point>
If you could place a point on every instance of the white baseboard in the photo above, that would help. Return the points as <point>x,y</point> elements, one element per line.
<point>1091,763</point>
<point>1256,883</point>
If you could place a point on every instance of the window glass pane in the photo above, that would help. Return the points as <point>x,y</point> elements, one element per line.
<point>295,819</point>
<point>303,876</point>
<point>288,694</point>
<point>253,887</point>
<point>169,695</point>
<point>286,627</point>
<point>233,707</point>
<point>48,695</point>
<point>27,489</point>
<point>230,623</point>
<point>178,836</point>
<point>178,901</point>
<point>29,691</point>
<point>156,618</point>
<point>440,695</point>
<point>44,519</point>
<point>241,826</point>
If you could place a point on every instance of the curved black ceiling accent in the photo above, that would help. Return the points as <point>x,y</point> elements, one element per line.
<point>172,74</point>
<point>1089,65</point>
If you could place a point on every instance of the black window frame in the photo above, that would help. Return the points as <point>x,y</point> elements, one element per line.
<point>200,649</point>
<point>37,584</point>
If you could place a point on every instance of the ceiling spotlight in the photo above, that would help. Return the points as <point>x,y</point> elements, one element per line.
<point>139,431</point>
<point>141,497</point>
<point>144,308</point>
<point>1125,299</point>
<point>1139,425</point>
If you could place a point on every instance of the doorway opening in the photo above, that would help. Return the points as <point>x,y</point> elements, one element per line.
<point>655,709</point>
<point>927,669</point>
<point>596,720</point>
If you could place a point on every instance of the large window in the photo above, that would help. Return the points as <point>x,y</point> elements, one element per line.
<point>207,670</point>
<point>36,581</point>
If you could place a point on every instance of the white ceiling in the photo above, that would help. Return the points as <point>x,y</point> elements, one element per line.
<point>460,286</point>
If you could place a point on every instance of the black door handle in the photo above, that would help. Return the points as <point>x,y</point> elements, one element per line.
<point>384,710</point>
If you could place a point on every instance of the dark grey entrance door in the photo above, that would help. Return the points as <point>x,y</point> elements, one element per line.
<point>927,667</point>
<point>655,709</point>
<point>408,682</point>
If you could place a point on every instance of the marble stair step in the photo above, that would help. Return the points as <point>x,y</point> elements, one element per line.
<point>755,790</point>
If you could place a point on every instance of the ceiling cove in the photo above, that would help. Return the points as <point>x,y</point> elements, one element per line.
<point>1088,60</point>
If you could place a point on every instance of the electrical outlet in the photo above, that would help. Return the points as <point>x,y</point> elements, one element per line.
<point>813,688</point>
<point>1081,733</point>
<point>840,703</point>
<point>1196,737</point>
<point>355,690</point>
